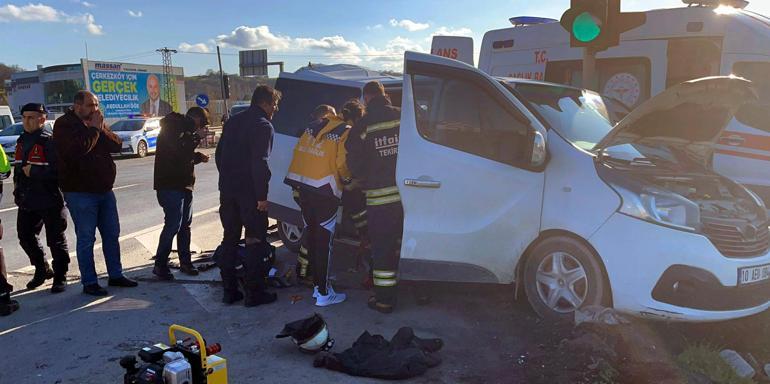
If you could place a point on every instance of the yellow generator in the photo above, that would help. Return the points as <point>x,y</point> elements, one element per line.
<point>187,360</point>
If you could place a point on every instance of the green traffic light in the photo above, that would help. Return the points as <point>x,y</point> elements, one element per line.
<point>586,27</point>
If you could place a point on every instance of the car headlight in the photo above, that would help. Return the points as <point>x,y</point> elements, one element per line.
<point>659,206</point>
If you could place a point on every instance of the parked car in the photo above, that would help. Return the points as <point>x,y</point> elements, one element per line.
<point>139,135</point>
<point>238,108</point>
<point>514,181</point>
<point>6,118</point>
<point>10,135</point>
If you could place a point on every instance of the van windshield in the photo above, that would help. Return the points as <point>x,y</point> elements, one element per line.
<point>756,115</point>
<point>582,117</point>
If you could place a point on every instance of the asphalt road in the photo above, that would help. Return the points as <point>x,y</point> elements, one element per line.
<point>137,204</point>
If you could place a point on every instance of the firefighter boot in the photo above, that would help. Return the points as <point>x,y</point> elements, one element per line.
<point>42,273</point>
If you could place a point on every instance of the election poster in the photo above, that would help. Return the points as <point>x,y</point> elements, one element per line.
<point>130,90</point>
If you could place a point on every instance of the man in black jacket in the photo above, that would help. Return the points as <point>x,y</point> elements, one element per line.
<point>241,157</point>
<point>174,181</point>
<point>36,192</point>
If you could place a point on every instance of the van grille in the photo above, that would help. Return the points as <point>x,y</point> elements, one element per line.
<point>737,242</point>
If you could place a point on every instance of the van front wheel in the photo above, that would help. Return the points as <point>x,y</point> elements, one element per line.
<point>562,275</point>
<point>291,235</point>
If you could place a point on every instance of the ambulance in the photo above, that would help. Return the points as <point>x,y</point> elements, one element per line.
<point>704,38</point>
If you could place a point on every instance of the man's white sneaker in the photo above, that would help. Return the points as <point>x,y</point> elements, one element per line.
<point>330,299</point>
<point>315,292</point>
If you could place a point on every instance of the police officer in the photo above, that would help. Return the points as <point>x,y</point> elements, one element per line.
<point>372,150</point>
<point>41,203</point>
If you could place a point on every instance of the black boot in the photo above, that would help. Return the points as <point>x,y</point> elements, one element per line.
<point>7,306</point>
<point>42,273</point>
<point>59,283</point>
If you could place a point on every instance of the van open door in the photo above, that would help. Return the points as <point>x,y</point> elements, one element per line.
<point>471,196</point>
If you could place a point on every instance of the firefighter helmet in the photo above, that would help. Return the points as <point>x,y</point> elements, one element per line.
<point>310,334</point>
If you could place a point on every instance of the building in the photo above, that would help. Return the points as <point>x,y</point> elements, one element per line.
<point>123,89</point>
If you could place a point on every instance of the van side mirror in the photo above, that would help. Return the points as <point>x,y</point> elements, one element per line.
<point>539,153</point>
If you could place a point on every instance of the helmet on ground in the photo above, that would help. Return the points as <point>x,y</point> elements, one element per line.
<point>310,334</point>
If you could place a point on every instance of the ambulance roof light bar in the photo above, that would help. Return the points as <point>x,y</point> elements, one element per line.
<point>522,21</point>
<point>715,3</point>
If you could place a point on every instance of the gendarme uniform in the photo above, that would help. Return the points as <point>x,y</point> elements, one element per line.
<point>318,172</point>
<point>372,151</point>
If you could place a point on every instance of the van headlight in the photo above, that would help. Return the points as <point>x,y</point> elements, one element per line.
<point>660,207</point>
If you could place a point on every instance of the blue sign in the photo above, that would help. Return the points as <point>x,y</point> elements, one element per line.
<point>202,100</point>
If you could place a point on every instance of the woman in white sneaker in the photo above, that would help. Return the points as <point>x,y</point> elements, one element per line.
<point>319,172</point>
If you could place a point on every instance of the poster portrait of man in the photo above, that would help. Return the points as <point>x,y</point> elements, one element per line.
<point>154,106</point>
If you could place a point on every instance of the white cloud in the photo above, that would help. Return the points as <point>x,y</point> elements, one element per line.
<point>200,47</point>
<point>135,14</point>
<point>409,25</point>
<point>46,14</point>
<point>29,12</point>
<point>87,4</point>
<point>373,27</point>
<point>262,38</point>
<point>392,56</point>
<point>255,38</point>
<point>444,31</point>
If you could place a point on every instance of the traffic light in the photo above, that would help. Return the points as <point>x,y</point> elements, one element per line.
<point>226,85</point>
<point>597,24</point>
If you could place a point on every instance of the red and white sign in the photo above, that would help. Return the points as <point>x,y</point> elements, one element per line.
<point>453,47</point>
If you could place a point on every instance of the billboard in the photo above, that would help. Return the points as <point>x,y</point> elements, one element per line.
<point>127,89</point>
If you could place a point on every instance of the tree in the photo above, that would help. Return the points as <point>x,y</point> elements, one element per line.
<point>5,74</point>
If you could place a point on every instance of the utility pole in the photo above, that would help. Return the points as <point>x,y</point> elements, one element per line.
<point>222,80</point>
<point>168,76</point>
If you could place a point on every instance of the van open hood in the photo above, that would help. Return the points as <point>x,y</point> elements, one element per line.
<point>690,116</point>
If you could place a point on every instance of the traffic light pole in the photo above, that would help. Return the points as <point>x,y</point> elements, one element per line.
<point>590,80</point>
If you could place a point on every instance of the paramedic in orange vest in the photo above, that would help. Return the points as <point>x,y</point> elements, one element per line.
<point>318,171</point>
<point>41,203</point>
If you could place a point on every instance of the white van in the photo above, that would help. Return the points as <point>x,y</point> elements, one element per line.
<point>6,117</point>
<point>674,45</point>
<point>516,181</point>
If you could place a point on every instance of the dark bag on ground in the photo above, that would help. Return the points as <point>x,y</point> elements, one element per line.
<point>266,255</point>
<point>403,357</point>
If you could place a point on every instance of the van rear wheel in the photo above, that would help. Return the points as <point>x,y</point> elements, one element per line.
<point>291,235</point>
<point>563,275</point>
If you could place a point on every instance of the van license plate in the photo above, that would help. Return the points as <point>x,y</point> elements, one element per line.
<point>750,275</point>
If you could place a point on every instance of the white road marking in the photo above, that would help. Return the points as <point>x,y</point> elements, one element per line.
<point>132,235</point>
<point>114,189</point>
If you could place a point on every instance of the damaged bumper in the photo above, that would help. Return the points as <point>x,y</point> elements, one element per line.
<point>664,273</point>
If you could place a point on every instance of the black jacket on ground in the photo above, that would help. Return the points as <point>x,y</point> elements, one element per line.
<point>175,156</point>
<point>242,154</point>
<point>39,190</point>
<point>404,356</point>
<point>372,145</point>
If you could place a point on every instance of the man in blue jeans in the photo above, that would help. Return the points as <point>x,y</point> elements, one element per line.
<point>86,176</point>
<point>175,160</point>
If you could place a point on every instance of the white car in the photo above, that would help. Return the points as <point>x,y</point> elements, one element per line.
<point>10,135</point>
<point>515,181</point>
<point>139,135</point>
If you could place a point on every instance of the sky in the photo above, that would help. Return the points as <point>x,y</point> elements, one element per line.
<point>373,34</point>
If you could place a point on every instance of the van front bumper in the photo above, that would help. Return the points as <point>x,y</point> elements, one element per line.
<point>659,272</point>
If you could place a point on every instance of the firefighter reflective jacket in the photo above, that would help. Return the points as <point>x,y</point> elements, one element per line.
<point>318,164</point>
<point>373,149</point>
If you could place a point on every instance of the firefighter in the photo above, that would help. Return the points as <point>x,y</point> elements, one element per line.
<point>372,151</point>
<point>318,172</point>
